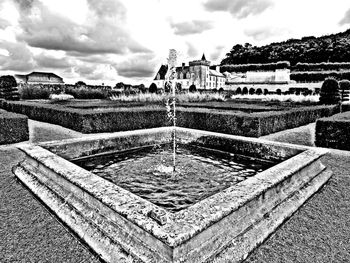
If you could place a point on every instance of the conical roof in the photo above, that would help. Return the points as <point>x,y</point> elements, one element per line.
<point>203,58</point>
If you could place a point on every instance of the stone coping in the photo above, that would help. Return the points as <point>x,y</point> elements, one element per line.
<point>173,229</point>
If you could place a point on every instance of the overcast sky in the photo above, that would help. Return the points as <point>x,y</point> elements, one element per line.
<point>108,41</point>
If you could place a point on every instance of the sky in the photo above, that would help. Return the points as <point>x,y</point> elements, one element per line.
<point>111,41</point>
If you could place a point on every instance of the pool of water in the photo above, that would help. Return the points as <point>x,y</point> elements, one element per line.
<point>199,173</point>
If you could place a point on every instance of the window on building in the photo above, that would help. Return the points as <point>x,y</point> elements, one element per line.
<point>158,76</point>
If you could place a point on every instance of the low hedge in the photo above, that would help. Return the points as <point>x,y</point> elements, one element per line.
<point>224,121</point>
<point>334,132</point>
<point>271,122</point>
<point>317,76</point>
<point>90,121</point>
<point>13,127</point>
<point>253,124</point>
<point>345,106</point>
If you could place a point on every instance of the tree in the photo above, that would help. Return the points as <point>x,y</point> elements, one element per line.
<point>192,88</point>
<point>119,85</point>
<point>330,92</point>
<point>153,88</point>
<point>8,88</point>
<point>80,84</point>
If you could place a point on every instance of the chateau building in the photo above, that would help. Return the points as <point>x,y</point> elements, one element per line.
<point>39,78</point>
<point>197,73</point>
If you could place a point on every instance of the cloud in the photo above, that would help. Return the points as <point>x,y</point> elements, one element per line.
<point>4,23</point>
<point>217,53</point>
<point>264,32</point>
<point>345,19</point>
<point>19,57</point>
<point>25,5</point>
<point>46,61</point>
<point>101,72</point>
<point>238,8</point>
<point>102,33</point>
<point>139,66</point>
<point>191,50</point>
<point>191,27</point>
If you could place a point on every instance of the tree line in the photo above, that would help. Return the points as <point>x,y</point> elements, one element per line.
<point>329,48</point>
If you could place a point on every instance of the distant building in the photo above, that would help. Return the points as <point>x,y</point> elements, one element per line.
<point>39,78</point>
<point>197,73</point>
<point>280,76</point>
<point>277,81</point>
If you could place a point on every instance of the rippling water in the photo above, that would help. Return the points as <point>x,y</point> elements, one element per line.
<point>200,173</point>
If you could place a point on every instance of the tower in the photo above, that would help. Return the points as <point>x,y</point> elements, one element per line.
<point>199,70</point>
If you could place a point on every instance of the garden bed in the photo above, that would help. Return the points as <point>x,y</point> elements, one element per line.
<point>234,122</point>
<point>334,132</point>
<point>13,127</point>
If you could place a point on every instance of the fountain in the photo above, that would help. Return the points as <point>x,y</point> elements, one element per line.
<point>222,196</point>
<point>170,78</point>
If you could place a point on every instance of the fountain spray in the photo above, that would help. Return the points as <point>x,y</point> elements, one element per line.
<point>170,78</point>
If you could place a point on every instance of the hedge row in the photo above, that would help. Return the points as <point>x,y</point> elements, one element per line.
<point>315,76</point>
<point>13,127</point>
<point>90,121</point>
<point>254,124</point>
<point>228,121</point>
<point>334,132</point>
<point>321,66</point>
<point>254,67</point>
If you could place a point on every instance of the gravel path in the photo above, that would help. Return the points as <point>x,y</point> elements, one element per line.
<point>318,232</point>
<point>28,232</point>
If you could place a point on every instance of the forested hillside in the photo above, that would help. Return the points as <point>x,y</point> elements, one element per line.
<point>330,48</point>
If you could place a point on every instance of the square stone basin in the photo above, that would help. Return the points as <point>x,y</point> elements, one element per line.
<point>123,227</point>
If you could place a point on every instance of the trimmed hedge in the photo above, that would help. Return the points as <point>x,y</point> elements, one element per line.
<point>321,66</point>
<point>90,121</point>
<point>254,124</point>
<point>318,76</point>
<point>345,106</point>
<point>271,122</point>
<point>255,67</point>
<point>13,127</point>
<point>334,132</point>
<point>224,121</point>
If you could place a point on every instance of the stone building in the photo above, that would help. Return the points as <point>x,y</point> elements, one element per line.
<point>197,73</point>
<point>39,78</point>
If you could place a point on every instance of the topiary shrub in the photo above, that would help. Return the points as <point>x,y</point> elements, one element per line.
<point>153,88</point>
<point>330,92</point>
<point>245,91</point>
<point>8,88</point>
<point>251,91</point>
<point>344,86</point>
<point>192,88</point>
<point>259,91</point>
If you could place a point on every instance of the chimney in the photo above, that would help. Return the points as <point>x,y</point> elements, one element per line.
<point>183,65</point>
<point>217,68</point>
